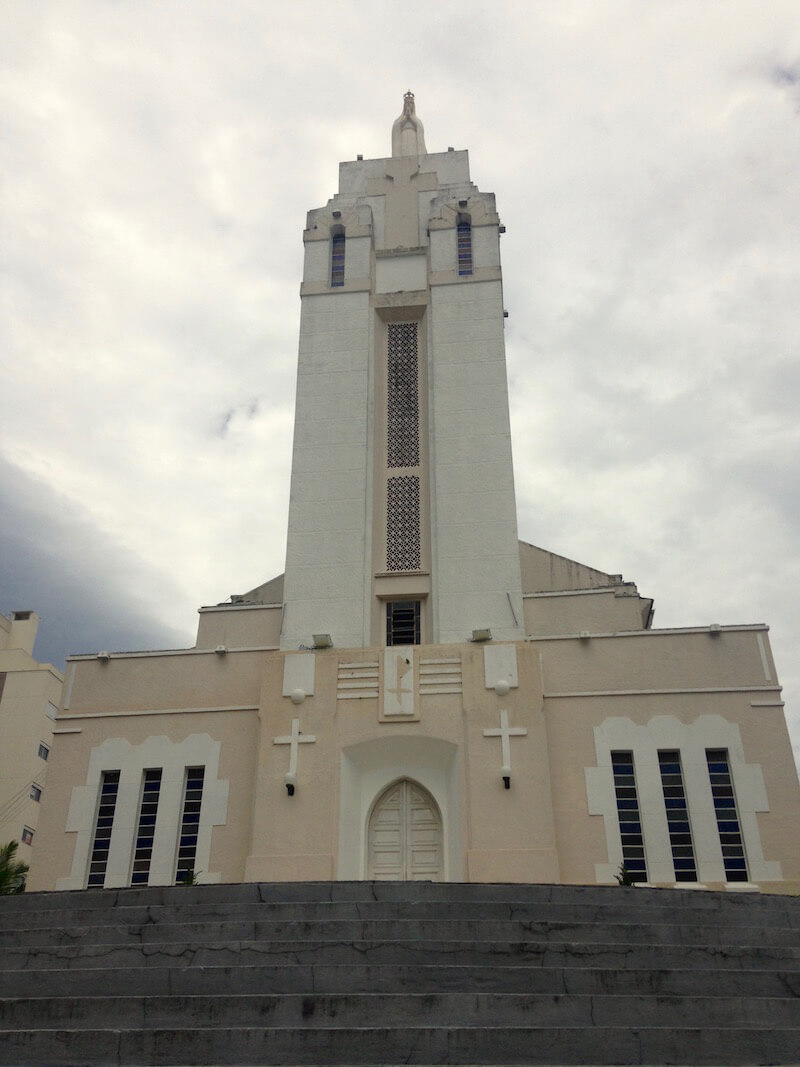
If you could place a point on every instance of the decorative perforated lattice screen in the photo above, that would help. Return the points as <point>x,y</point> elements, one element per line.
<point>402,524</point>
<point>402,415</point>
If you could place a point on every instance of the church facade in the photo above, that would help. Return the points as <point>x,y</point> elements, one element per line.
<point>420,695</point>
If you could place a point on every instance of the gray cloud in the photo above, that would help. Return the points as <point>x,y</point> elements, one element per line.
<point>84,587</point>
<point>158,164</point>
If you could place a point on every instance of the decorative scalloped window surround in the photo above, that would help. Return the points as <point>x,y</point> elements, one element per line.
<point>132,761</point>
<point>667,732</point>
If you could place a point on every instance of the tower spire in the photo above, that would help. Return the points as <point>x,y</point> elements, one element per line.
<point>408,133</point>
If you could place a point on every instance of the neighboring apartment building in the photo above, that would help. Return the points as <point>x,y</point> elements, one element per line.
<point>421,695</point>
<point>30,694</point>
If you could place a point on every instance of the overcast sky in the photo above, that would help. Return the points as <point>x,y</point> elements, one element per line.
<point>157,161</point>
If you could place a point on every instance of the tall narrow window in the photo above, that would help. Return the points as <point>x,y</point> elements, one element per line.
<point>190,823</point>
<point>402,395</point>
<point>337,258</point>
<point>145,831</point>
<point>109,787</point>
<point>36,792</point>
<point>403,622</point>
<point>730,834</point>
<point>464,244</point>
<point>403,541</point>
<point>680,832</point>
<point>630,823</point>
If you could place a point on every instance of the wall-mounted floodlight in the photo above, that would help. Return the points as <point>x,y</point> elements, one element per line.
<point>322,640</point>
<point>505,774</point>
<point>221,650</point>
<point>585,635</point>
<point>482,635</point>
<point>290,781</point>
<point>104,657</point>
<point>715,629</point>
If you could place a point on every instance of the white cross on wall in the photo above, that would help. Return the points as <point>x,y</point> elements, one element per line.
<point>505,733</point>
<point>294,739</point>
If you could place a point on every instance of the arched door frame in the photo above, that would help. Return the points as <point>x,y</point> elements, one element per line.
<point>369,767</point>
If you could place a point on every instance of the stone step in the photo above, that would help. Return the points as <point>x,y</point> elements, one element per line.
<point>528,931</point>
<point>676,908</point>
<point>508,1045</point>
<point>469,952</point>
<point>381,973</point>
<point>394,978</point>
<point>336,1010</point>
<point>446,892</point>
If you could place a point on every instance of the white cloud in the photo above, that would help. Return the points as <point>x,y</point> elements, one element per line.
<point>158,163</point>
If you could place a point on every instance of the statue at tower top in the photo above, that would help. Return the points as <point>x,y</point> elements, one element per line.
<point>408,133</point>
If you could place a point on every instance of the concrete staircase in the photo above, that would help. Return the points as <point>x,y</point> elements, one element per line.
<point>388,973</point>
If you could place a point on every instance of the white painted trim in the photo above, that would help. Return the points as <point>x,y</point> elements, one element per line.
<point>663,692</point>
<point>578,592</point>
<point>762,648</point>
<point>162,711</point>
<point>172,652</point>
<point>238,607</point>
<point>744,628</point>
<point>70,680</point>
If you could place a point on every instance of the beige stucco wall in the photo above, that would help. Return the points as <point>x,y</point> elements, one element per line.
<point>688,689</point>
<point>240,626</point>
<point>29,694</point>
<point>595,611</point>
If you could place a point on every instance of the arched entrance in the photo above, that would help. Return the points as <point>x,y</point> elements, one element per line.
<point>404,836</point>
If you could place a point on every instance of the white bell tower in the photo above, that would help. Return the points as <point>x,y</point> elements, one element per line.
<point>402,517</point>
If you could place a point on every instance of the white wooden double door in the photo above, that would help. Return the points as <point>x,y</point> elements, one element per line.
<point>404,837</point>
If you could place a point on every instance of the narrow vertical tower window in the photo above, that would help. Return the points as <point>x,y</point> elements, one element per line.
<point>630,823</point>
<point>402,421</point>
<point>680,831</point>
<point>109,787</point>
<point>730,834</point>
<point>145,831</point>
<point>464,244</point>
<point>337,258</point>
<point>403,518</point>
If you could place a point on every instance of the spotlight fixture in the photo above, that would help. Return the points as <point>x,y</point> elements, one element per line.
<point>322,640</point>
<point>482,635</point>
